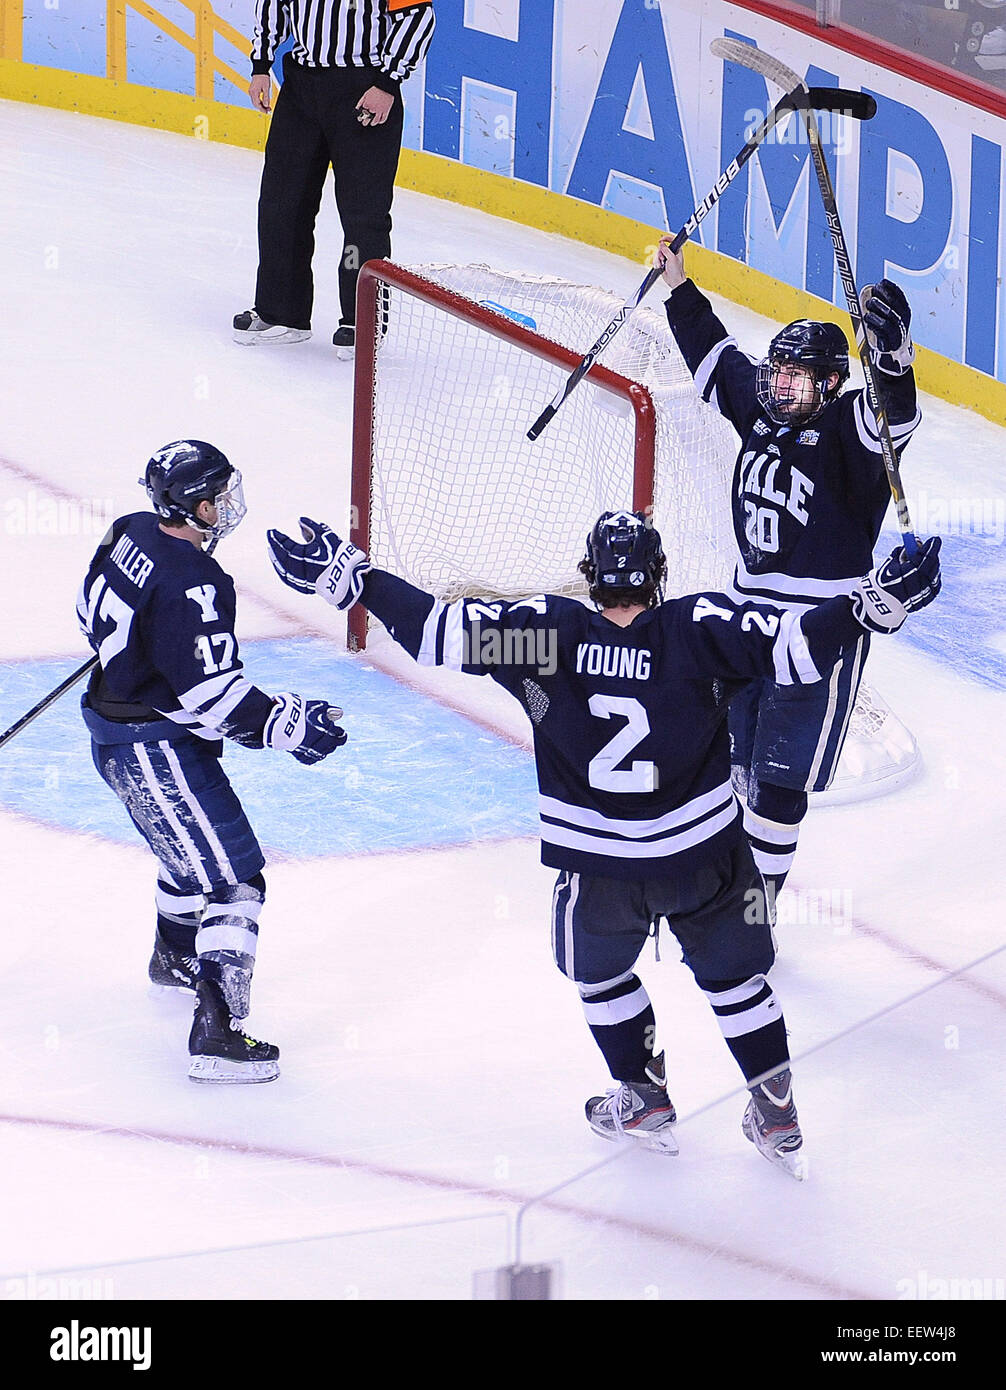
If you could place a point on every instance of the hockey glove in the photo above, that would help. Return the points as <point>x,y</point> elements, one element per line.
<point>883,599</point>
<point>305,728</point>
<point>300,565</point>
<point>342,581</point>
<point>887,316</point>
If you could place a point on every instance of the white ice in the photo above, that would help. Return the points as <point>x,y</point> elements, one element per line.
<point>434,1061</point>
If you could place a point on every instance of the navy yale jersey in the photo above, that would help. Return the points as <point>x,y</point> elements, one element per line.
<point>160,615</point>
<point>808,500</point>
<point>630,734</point>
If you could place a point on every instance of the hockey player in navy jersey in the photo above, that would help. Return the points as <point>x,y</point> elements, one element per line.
<point>809,497</point>
<point>628,703</point>
<point>159,612</point>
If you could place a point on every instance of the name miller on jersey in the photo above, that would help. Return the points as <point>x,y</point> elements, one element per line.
<point>130,559</point>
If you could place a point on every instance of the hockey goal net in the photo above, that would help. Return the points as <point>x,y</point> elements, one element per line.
<point>453,363</point>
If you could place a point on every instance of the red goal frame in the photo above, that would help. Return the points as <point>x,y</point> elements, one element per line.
<point>375,273</point>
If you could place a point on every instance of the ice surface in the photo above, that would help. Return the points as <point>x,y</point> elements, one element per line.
<point>434,1061</point>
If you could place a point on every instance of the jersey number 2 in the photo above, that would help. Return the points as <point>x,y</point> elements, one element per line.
<point>602,770</point>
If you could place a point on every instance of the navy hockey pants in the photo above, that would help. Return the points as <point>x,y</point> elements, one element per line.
<point>717,913</point>
<point>178,797</point>
<point>792,735</point>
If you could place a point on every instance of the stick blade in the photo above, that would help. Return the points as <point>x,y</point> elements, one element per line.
<point>735,51</point>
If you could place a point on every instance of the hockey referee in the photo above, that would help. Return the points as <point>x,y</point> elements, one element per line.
<point>340,104</point>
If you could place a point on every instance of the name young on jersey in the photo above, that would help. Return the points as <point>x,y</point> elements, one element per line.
<point>622,663</point>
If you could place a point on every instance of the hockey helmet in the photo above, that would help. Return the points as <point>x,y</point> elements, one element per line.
<point>625,560</point>
<point>188,471</point>
<point>822,348</point>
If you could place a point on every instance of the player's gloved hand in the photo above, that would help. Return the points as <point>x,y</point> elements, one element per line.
<point>305,728</point>
<point>342,582</point>
<point>300,564</point>
<point>883,599</point>
<point>888,317</point>
<point>324,564</point>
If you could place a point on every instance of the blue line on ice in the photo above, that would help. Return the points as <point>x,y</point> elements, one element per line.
<point>413,774</point>
<point>965,629</point>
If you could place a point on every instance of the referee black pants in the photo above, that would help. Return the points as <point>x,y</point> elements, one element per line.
<point>315,125</point>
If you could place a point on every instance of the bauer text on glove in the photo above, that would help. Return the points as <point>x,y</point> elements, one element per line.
<point>883,599</point>
<point>305,728</point>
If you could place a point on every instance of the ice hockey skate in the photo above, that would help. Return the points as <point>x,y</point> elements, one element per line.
<point>221,1052</point>
<point>170,969</point>
<point>250,328</point>
<point>344,342</point>
<point>637,1110</point>
<point>770,1122</point>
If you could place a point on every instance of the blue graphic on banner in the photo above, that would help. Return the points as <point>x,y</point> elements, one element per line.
<point>519,71</point>
<point>983,255</point>
<point>414,774</point>
<point>617,167</point>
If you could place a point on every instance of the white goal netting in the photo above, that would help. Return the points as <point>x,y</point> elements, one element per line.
<point>462,503</point>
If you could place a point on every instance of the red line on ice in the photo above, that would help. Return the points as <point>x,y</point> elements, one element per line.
<point>659,1234</point>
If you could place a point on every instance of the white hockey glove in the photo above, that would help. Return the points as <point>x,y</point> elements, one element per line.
<point>305,728</point>
<point>342,582</point>
<point>883,599</point>
<point>888,317</point>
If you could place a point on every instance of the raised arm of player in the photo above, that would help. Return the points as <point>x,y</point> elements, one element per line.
<point>888,319</point>
<point>724,375</point>
<point>718,637</point>
<point>478,636</point>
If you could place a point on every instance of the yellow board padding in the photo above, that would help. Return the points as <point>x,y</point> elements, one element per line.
<point>127,101</point>
<point>492,193</point>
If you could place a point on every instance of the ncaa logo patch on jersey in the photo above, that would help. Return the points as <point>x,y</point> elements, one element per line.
<point>808,436</point>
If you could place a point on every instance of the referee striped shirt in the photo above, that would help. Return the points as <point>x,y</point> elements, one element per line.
<point>391,36</point>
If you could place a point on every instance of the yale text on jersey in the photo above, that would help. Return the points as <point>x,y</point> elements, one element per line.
<point>131,560</point>
<point>624,663</point>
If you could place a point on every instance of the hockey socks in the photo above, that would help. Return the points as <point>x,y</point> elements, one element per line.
<point>751,1022</point>
<point>620,1018</point>
<point>772,824</point>
<point>227,939</point>
<point>178,913</point>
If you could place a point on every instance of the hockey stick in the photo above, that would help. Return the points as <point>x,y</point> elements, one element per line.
<point>732,50</point>
<point>64,685</point>
<point>822,98</point>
